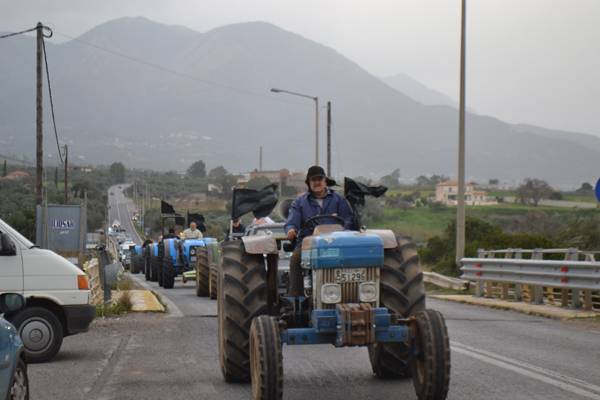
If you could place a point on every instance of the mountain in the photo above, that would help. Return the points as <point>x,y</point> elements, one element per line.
<point>417,91</point>
<point>161,97</point>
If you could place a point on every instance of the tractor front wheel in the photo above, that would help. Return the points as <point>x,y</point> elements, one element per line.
<point>202,273</point>
<point>168,274</point>
<point>266,359</point>
<point>403,293</point>
<point>213,283</point>
<point>431,364</point>
<point>242,296</point>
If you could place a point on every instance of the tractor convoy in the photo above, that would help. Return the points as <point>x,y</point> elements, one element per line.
<point>361,288</point>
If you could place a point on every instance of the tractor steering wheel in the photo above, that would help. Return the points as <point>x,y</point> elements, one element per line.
<point>313,222</point>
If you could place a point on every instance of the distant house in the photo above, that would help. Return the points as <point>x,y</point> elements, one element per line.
<point>276,176</point>
<point>15,176</point>
<point>447,193</point>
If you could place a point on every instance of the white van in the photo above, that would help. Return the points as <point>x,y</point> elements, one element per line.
<point>57,293</point>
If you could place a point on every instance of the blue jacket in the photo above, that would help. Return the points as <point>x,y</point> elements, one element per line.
<point>306,206</point>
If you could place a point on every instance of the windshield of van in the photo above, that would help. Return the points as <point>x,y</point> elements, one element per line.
<point>15,235</point>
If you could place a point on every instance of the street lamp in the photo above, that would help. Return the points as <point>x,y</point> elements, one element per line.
<point>460,209</point>
<point>316,100</point>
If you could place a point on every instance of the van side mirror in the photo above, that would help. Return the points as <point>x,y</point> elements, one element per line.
<point>11,302</point>
<point>7,247</point>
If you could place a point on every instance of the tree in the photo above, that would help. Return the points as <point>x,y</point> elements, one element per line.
<point>197,170</point>
<point>494,182</point>
<point>431,181</point>
<point>4,169</point>
<point>532,191</point>
<point>258,183</point>
<point>585,188</point>
<point>117,172</point>
<point>217,173</point>
<point>391,180</point>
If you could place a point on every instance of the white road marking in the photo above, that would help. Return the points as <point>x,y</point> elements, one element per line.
<point>569,384</point>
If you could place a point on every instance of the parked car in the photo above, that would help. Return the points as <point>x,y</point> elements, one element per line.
<point>14,383</point>
<point>56,291</point>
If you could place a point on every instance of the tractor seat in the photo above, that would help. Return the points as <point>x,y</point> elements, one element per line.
<point>327,228</point>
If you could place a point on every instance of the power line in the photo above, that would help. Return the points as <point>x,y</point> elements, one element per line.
<point>177,73</point>
<point>50,96</point>
<point>16,33</point>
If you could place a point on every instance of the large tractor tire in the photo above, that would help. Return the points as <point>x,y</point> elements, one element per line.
<point>431,365</point>
<point>168,273</point>
<point>154,263</point>
<point>212,289</point>
<point>242,296</point>
<point>147,264</point>
<point>403,292</point>
<point>266,359</point>
<point>202,273</point>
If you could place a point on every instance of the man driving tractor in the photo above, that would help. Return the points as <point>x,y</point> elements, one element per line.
<point>318,200</point>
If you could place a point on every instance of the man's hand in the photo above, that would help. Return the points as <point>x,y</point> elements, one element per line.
<point>291,235</point>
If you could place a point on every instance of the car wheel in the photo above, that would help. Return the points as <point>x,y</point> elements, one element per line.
<point>19,387</point>
<point>41,332</point>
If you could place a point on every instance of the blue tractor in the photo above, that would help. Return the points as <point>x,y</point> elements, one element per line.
<point>171,262</point>
<point>361,288</point>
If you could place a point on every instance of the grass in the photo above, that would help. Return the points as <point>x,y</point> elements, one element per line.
<point>122,306</point>
<point>423,222</point>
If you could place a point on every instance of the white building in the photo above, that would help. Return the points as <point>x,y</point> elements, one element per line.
<point>447,193</point>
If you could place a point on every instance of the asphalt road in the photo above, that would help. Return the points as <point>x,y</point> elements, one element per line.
<point>495,355</point>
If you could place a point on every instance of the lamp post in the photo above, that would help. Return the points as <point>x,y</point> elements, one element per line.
<point>316,100</point>
<point>460,209</point>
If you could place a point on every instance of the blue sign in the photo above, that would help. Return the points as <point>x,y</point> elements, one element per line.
<point>597,190</point>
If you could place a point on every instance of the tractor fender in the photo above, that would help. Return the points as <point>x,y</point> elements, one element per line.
<point>260,244</point>
<point>388,237</point>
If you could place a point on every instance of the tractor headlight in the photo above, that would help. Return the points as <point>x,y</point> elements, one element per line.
<point>367,292</point>
<point>331,293</point>
<point>193,251</point>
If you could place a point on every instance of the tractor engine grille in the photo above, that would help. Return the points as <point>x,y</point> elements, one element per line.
<point>349,289</point>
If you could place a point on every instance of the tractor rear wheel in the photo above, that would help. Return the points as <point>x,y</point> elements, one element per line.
<point>266,359</point>
<point>202,272</point>
<point>168,274</point>
<point>242,296</point>
<point>402,291</point>
<point>147,266</point>
<point>159,270</point>
<point>154,263</point>
<point>431,365</point>
<point>213,282</point>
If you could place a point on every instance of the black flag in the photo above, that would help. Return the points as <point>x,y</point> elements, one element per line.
<point>259,202</point>
<point>355,193</point>
<point>166,208</point>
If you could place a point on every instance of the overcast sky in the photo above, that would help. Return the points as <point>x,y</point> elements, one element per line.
<point>531,61</point>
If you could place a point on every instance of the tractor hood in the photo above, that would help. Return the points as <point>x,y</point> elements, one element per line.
<point>344,249</point>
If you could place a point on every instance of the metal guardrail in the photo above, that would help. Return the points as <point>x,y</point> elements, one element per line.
<point>536,280</point>
<point>445,281</point>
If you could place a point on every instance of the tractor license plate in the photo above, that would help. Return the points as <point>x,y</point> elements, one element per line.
<point>193,258</point>
<point>354,275</point>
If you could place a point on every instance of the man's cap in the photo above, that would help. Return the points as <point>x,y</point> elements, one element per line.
<point>314,171</point>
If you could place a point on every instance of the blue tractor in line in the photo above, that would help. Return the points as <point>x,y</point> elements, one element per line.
<point>362,287</point>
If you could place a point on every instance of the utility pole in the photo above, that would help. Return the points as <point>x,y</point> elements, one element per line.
<point>39,144</point>
<point>460,209</point>
<point>316,130</point>
<point>260,159</point>
<point>328,138</point>
<point>66,174</point>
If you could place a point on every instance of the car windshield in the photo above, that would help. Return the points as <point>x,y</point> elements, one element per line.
<point>5,228</point>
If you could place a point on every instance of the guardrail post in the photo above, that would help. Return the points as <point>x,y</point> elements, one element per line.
<point>537,295</point>
<point>518,287</point>
<point>103,261</point>
<point>479,291</point>
<point>504,286</point>
<point>572,255</point>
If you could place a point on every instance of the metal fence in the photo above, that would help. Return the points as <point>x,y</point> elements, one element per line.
<point>570,279</point>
